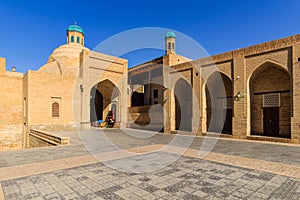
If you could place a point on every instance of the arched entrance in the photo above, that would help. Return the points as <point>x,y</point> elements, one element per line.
<point>270,101</point>
<point>183,105</point>
<point>96,105</point>
<point>219,102</point>
<point>104,97</point>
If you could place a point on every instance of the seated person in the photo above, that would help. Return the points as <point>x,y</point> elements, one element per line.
<point>110,119</point>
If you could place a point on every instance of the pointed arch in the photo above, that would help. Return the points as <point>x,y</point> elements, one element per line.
<point>104,97</point>
<point>264,65</point>
<point>219,103</point>
<point>270,102</point>
<point>183,105</point>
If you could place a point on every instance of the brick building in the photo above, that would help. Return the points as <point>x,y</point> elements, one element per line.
<point>259,99</point>
<point>249,93</point>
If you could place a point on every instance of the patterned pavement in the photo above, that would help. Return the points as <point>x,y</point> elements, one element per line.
<point>186,178</point>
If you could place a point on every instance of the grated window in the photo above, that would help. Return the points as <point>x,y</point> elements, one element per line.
<point>55,109</point>
<point>271,100</point>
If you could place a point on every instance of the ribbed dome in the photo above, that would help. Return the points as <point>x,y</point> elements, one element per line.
<point>75,28</point>
<point>170,34</point>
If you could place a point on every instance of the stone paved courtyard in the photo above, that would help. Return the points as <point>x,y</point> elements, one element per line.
<point>53,173</point>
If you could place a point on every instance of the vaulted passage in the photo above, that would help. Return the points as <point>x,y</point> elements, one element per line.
<point>270,98</point>
<point>104,97</point>
<point>219,103</point>
<point>183,105</point>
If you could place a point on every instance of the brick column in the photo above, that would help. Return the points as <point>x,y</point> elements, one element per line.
<point>239,121</point>
<point>295,119</point>
<point>197,94</point>
<point>167,99</point>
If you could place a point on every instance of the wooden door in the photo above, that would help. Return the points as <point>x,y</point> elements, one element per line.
<point>271,121</point>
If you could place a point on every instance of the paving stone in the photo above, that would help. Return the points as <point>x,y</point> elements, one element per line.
<point>150,197</point>
<point>144,179</point>
<point>200,194</point>
<point>191,196</point>
<point>161,193</point>
<point>53,196</point>
<point>186,178</point>
<point>149,188</point>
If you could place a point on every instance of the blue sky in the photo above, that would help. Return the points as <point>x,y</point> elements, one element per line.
<point>31,30</point>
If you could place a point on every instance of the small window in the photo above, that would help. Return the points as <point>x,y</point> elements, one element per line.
<point>78,40</point>
<point>169,45</point>
<point>55,109</point>
<point>173,46</point>
<point>271,100</point>
<point>155,93</point>
<point>25,107</point>
<point>82,41</point>
<point>72,38</point>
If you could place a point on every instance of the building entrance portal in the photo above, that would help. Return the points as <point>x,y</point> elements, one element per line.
<point>270,101</point>
<point>104,98</point>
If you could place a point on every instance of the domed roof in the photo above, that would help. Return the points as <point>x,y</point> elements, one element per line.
<point>170,34</point>
<point>70,50</point>
<point>75,28</point>
<point>65,59</point>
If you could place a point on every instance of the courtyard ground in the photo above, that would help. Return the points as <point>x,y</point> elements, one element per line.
<point>132,164</point>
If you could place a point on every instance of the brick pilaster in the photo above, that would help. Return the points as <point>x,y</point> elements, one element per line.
<point>240,105</point>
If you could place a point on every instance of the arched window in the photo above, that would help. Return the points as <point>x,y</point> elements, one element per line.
<point>72,38</point>
<point>173,46</point>
<point>55,109</point>
<point>169,46</point>
<point>78,40</point>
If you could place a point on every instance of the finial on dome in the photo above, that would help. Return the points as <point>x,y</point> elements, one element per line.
<point>170,34</point>
<point>75,34</point>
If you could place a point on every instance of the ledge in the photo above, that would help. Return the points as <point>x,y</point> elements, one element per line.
<point>49,137</point>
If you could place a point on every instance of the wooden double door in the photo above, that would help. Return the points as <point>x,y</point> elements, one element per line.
<point>271,121</point>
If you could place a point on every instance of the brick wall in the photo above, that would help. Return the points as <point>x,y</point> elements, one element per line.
<point>11,110</point>
<point>2,65</point>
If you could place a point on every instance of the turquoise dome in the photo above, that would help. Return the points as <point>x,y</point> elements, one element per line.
<point>170,34</point>
<point>75,28</point>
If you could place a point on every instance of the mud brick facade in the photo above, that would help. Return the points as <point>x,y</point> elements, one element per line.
<point>249,93</point>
